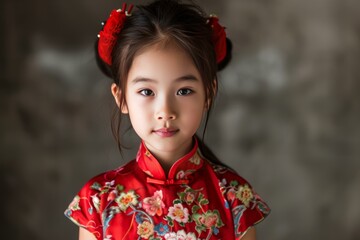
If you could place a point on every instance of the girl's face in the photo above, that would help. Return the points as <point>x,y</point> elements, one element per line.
<point>165,100</point>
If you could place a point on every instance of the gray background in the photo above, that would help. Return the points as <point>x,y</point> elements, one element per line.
<point>287,116</point>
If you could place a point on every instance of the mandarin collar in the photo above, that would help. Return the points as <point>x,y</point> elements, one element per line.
<point>179,172</point>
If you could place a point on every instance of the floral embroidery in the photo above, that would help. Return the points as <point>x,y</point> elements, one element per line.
<point>188,197</point>
<point>179,213</point>
<point>74,205</point>
<point>180,235</point>
<point>171,236</point>
<point>112,195</point>
<point>96,202</point>
<point>180,175</point>
<point>209,220</point>
<point>184,174</point>
<point>237,213</point>
<point>195,159</point>
<point>263,207</point>
<point>126,200</point>
<point>154,205</point>
<point>235,191</point>
<point>161,229</point>
<point>109,186</point>
<point>206,221</point>
<point>247,200</point>
<point>145,229</point>
<point>245,194</point>
<point>189,217</point>
<point>231,194</point>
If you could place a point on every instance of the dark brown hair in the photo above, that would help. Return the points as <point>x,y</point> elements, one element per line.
<point>159,22</point>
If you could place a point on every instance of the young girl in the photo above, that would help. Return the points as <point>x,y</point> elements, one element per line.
<point>163,58</point>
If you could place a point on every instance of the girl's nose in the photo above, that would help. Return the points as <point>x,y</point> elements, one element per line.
<point>166,110</point>
<point>166,117</point>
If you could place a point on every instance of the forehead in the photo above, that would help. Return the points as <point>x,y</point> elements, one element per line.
<point>162,62</point>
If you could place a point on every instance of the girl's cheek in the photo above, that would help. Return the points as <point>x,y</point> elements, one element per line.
<point>143,102</point>
<point>192,101</point>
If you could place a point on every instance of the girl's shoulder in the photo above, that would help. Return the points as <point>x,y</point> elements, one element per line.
<point>88,204</point>
<point>247,207</point>
<point>109,177</point>
<point>227,174</point>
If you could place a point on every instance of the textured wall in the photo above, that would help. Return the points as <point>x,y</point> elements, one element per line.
<point>287,117</point>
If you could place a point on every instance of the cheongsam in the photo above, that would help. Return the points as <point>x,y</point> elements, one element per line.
<point>197,200</point>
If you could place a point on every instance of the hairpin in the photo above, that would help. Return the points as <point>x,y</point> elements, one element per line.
<point>112,27</point>
<point>218,37</point>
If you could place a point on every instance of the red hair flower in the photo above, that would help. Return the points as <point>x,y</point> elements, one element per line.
<point>219,37</point>
<point>113,26</point>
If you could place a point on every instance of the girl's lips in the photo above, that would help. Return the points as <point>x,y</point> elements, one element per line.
<point>166,132</point>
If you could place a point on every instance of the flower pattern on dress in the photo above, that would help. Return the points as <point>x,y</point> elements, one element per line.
<point>74,205</point>
<point>112,195</point>
<point>180,235</point>
<point>247,200</point>
<point>236,191</point>
<point>161,229</point>
<point>145,229</point>
<point>179,213</point>
<point>126,200</point>
<point>96,202</point>
<point>154,205</point>
<point>209,220</point>
<point>188,197</point>
<point>195,159</point>
<point>186,213</point>
<point>184,174</point>
<point>231,194</point>
<point>180,175</point>
<point>245,194</point>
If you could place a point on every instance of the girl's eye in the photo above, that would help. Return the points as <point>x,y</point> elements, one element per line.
<point>184,91</point>
<point>146,92</point>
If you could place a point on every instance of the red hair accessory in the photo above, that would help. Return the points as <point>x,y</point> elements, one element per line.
<point>113,26</point>
<point>219,38</point>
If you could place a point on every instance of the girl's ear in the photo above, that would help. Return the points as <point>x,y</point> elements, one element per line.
<point>116,92</point>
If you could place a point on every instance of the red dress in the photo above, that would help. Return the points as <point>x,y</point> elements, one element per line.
<point>198,200</point>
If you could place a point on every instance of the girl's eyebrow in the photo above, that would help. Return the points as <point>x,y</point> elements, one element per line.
<point>142,79</point>
<point>188,77</point>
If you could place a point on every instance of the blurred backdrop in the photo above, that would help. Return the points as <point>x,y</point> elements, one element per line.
<point>287,117</point>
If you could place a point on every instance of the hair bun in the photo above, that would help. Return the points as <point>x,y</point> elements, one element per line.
<point>105,68</point>
<point>228,56</point>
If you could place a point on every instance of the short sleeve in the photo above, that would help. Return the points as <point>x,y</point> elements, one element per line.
<point>247,207</point>
<point>84,210</point>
